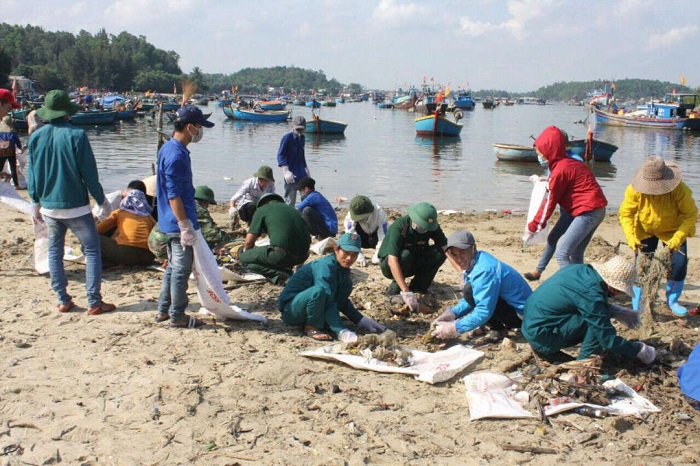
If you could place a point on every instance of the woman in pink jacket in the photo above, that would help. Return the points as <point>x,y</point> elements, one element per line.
<point>572,186</point>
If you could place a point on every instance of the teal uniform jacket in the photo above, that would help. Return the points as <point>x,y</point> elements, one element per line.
<point>572,307</point>
<point>336,284</point>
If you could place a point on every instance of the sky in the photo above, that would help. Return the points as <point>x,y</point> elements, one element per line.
<point>512,45</point>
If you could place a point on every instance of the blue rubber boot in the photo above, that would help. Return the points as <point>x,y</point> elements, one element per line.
<point>673,292</point>
<point>636,297</point>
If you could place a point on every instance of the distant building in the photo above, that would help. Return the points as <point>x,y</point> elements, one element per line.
<point>24,85</point>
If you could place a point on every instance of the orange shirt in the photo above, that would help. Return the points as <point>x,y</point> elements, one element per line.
<point>132,229</point>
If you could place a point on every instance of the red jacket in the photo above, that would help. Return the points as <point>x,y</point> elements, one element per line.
<point>571,184</point>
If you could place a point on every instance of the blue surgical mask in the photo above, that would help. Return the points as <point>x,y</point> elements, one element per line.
<point>542,161</point>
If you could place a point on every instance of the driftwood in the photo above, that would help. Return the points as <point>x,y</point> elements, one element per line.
<point>528,449</point>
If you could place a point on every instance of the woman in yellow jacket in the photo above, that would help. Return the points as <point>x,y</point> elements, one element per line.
<point>658,205</point>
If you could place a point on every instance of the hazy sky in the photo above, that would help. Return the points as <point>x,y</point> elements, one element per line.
<point>515,45</point>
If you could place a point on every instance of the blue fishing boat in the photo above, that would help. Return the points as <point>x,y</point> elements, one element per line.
<point>514,153</point>
<point>313,104</point>
<point>436,125</point>
<point>272,105</point>
<point>127,114</point>
<point>222,103</point>
<point>385,104</point>
<point>272,116</point>
<point>299,102</point>
<point>464,100</point>
<point>600,150</point>
<point>328,103</point>
<point>675,112</point>
<point>94,117</point>
<point>319,126</point>
<point>340,100</point>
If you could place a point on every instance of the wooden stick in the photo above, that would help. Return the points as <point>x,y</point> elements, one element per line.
<point>527,449</point>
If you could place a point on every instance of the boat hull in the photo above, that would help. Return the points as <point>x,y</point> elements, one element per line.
<point>602,151</point>
<point>612,119</point>
<point>429,126</point>
<point>94,118</point>
<point>258,117</point>
<point>272,105</point>
<point>514,153</point>
<point>318,126</point>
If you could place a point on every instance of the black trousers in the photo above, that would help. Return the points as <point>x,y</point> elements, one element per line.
<point>315,222</point>
<point>369,241</point>
<point>12,160</point>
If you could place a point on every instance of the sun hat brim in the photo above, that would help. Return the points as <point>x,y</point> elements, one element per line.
<point>663,184</point>
<point>48,114</point>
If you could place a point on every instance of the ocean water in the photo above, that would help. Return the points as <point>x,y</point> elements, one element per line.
<point>380,155</point>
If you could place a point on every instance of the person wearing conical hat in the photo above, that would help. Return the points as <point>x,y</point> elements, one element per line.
<point>406,252</point>
<point>243,204</point>
<point>368,220</point>
<point>658,205</point>
<point>572,307</point>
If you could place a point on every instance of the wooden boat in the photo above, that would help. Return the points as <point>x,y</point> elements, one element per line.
<point>676,112</point>
<point>488,103</point>
<point>272,105</point>
<point>385,105</point>
<point>514,153</point>
<point>299,102</point>
<point>319,126</point>
<point>20,114</point>
<point>313,104</point>
<point>94,117</point>
<point>222,103</point>
<point>271,116</point>
<point>340,100</point>
<point>602,151</point>
<point>328,103</point>
<point>126,114</point>
<point>436,125</point>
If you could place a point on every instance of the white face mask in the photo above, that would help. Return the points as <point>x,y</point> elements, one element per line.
<point>542,161</point>
<point>197,137</point>
<point>418,229</point>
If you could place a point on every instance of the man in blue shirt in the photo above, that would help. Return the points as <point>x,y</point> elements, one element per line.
<point>494,293</point>
<point>177,214</point>
<point>291,159</point>
<point>316,211</point>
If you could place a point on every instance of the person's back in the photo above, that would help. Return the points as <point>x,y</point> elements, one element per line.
<point>284,225</point>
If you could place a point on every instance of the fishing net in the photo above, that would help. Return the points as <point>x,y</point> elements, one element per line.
<point>651,270</point>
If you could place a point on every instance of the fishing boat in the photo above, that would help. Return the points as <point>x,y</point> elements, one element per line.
<point>313,103</point>
<point>126,114</point>
<point>601,151</point>
<point>271,116</point>
<point>489,103</point>
<point>328,103</point>
<point>318,126</point>
<point>675,112</point>
<point>436,125</point>
<point>464,101</point>
<point>340,100</point>
<point>299,102</point>
<point>272,105</point>
<point>94,117</point>
<point>385,104</point>
<point>514,153</point>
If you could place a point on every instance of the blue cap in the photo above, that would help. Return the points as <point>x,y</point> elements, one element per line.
<point>193,115</point>
<point>350,242</point>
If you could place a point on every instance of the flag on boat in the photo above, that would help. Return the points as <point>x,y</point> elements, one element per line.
<point>447,91</point>
<point>682,80</point>
<point>174,89</point>
<point>14,90</point>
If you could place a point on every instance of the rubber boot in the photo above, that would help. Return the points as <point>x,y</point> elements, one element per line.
<point>636,297</point>
<point>673,292</point>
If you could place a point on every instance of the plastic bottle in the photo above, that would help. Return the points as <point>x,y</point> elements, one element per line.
<point>590,412</point>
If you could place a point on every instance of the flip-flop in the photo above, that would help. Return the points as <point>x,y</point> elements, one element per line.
<point>101,308</point>
<point>187,322</point>
<point>158,318</point>
<point>66,307</point>
<point>531,277</point>
<point>316,334</point>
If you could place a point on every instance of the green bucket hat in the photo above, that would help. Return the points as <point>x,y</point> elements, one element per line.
<point>425,215</point>
<point>57,104</point>
<point>265,173</point>
<point>361,207</point>
<point>269,197</point>
<point>204,193</point>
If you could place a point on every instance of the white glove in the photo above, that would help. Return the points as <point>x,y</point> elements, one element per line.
<point>375,257</point>
<point>308,172</point>
<point>106,208</point>
<point>629,317</point>
<point>646,354</point>
<point>361,261</point>
<point>445,331</point>
<point>410,300</point>
<point>347,336</point>
<point>288,176</point>
<point>527,235</point>
<point>232,212</point>
<point>447,316</point>
<point>36,213</point>
<point>370,326</point>
<point>187,236</point>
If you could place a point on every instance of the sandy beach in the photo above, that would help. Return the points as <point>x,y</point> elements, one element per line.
<point>119,389</point>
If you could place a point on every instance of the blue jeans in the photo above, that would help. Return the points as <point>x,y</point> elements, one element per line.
<point>173,292</point>
<point>574,241</point>
<point>555,233</point>
<point>85,230</point>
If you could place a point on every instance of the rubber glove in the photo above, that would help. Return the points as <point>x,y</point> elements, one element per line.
<point>527,235</point>
<point>629,317</point>
<point>361,261</point>
<point>410,300</point>
<point>347,336</point>
<point>232,212</point>
<point>36,213</point>
<point>635,244</point>
<point>106,208</point>
<point>375,257</point>
<point>288,176</point>
<point>646,354</point>
<point>187,236</point>
<point>674,244</point>
<point>370,325</point>
<point>447,316</point>
<point>445,331</point>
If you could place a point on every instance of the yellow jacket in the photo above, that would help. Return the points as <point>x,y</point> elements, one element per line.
<point>670,217</point>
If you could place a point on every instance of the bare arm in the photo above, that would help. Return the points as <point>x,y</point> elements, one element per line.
<point>178,208</point>
<point>250,241</point>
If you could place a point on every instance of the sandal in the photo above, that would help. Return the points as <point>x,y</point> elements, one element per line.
<point>101,308</point>
<point>158,318</point>
<point>532,276</point>
<point>66,307</point>
<point>316,334</point>
<point>187,322</point>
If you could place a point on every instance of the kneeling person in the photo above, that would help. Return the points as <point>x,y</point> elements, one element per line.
<point>316,211</point>
<point>572,307</point>
<point>320,290</point>
<point>494,292</point>
<point>368,220</point>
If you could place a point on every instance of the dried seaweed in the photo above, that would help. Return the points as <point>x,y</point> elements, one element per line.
<point>651,270</point>
<point>383,347</point>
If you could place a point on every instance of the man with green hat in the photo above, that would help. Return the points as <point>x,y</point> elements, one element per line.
<point>319,291</point>
<point>289,240</point>
<point>62,171</point>
<point>406,252</point>
<point>368,220</point>
<point>243,204</point>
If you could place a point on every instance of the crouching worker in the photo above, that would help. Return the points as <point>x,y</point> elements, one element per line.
<point>318,291</point>
<point>572,307</point>
<point>494,292</point>
<point>289,240</point>
<point>368,220</point>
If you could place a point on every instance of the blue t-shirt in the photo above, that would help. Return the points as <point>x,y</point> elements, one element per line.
<point>320,204</point>
<point>174,179</point>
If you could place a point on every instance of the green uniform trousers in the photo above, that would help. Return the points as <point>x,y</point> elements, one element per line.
<point>420,263</point>
<point>271,262</point>
<point>311,307</point>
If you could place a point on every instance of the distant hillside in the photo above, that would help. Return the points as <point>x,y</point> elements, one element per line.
<point>625,89</point>
<point>258,80</point>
